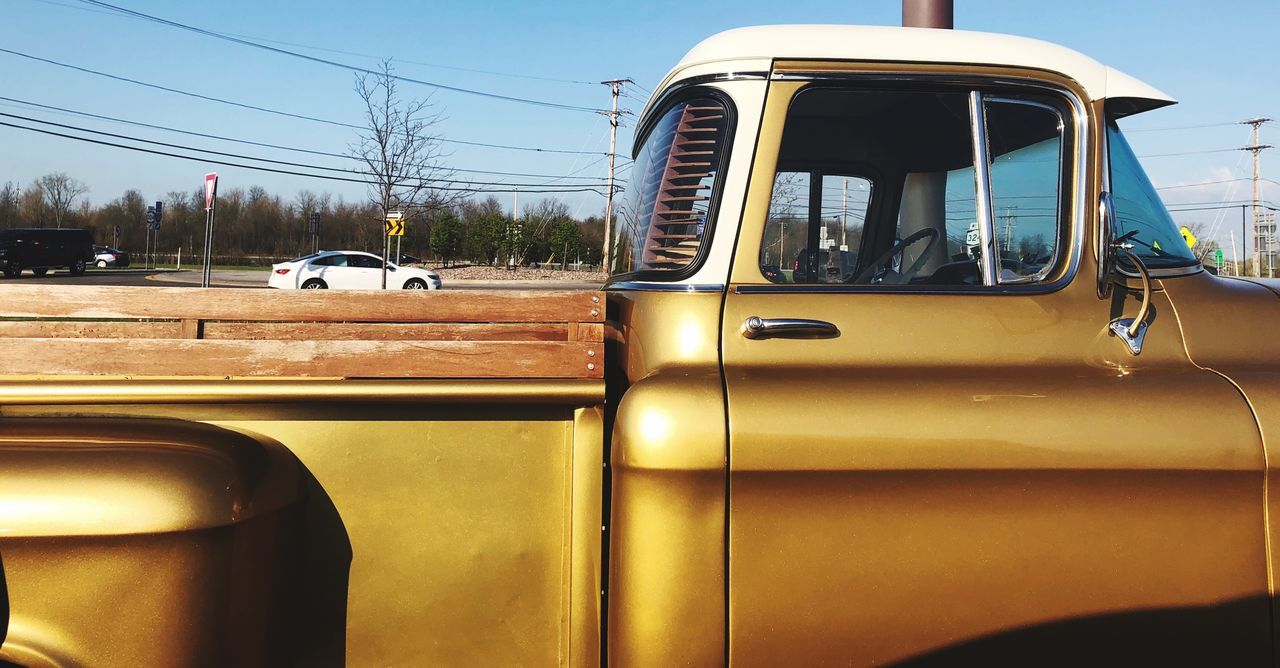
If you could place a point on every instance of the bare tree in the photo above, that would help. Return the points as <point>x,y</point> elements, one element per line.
<point>60,194</point>
<point>400,153</point>
<point>10,204</point>
<point>32,205</point>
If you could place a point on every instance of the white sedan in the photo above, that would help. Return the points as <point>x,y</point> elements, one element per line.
<point>348,270</point>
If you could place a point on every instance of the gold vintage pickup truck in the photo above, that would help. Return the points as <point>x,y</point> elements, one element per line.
<point>901,361</point>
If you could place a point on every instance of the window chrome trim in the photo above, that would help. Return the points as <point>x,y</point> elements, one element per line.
<point>647,286</point>
<point>1080,128</point>
<point>656,100</point>
<point>988,267</point>
<point>1057,228</point>
<point>847,289</point>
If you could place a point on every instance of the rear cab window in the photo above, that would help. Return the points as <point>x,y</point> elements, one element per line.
<point>663,225</point>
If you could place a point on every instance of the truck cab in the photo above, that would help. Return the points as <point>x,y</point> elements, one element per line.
<point>1007,432</point>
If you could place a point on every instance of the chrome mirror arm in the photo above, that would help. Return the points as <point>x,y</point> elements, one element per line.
<point>1132,331</point>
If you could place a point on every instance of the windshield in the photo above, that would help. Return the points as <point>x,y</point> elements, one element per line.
<point>1138,209</point>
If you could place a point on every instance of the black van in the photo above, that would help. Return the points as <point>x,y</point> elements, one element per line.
<point>42,249</point>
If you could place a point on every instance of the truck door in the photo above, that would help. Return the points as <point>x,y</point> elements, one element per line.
<point>937,455</point>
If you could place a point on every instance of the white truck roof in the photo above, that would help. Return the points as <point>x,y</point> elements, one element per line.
<point>752,49</point>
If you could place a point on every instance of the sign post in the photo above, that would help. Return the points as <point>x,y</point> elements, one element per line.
<point>210,197</point>
<point>155,229</point>
<point>394,228</point>
<point>146,248</point>
<point>315,231</point>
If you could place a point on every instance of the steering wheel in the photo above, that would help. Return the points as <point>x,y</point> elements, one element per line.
<point>879,269</point>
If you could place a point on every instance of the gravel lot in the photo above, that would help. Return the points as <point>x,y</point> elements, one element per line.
<point>481,273</point>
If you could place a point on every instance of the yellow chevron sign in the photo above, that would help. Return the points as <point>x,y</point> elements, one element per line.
<point>395,227</point>
<point>1189,237</point>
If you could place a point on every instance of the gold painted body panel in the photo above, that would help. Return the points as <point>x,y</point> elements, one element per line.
<point>129,542</point>
<point>434,532</point>
<point>981,477</point>
<point>666,532</point>
<point>1230,328</point>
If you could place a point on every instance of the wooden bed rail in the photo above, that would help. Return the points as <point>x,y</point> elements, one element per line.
<point>246,333</point>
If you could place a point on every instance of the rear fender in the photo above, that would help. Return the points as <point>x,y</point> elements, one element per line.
<point>145,542</point>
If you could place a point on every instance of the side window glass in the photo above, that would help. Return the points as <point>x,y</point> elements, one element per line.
<point>1026,152</point>
<point>913,154</point>
<point>339,260</point>
<point>662,223</point>
<point>814,228</point>
<point>877,188</point>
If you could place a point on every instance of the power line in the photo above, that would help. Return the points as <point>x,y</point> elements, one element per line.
<point>1182,127</point>
<point>1167,155</point>
<point>1202,183</point>
<point>267,160</point>
<point>640,88</point>
<point>261,144</point>
<point>277,112</point>
<point>180,92</point>
<point>193,133</point>
<point>334,63</point>
<point>340,51</point>
<point>1232,202</point>
<point>277,171</point>
<point>1225,206</point>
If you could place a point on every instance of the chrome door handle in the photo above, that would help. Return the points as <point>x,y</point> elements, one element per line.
<point>756,327</point>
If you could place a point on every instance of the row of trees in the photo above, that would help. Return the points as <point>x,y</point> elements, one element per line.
<point>254,223</point>
<point>403,167</point>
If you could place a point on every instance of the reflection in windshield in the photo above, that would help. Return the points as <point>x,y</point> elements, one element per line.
<point>1139,210</point>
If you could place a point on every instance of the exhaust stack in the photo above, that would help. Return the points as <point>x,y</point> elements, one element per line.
<point>928,14</point>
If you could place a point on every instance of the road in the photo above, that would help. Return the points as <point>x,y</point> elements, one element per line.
<point>228,278</point>
<point>96,277</point>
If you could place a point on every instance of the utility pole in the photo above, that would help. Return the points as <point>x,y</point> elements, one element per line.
<point>512,231</point>
<point>844,215</point>
<point>1257,149</point>
<point>615,86</point>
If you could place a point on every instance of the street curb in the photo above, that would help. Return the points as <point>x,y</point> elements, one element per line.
<point>185,278</point>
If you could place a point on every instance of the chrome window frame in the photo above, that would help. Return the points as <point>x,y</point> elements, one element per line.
<point>988,258</point>
<point>1079,126</point>
<point>1062,123</point>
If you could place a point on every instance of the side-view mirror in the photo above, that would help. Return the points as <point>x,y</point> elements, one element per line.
<point>1130,331</point>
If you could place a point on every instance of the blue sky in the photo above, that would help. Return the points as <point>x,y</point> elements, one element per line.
<point>1218,58</point>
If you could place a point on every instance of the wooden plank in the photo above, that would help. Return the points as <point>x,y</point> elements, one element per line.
<point>140,358</point>
<point>342,331</point>
<point>591,331</point>
<point>191,328</point>
<point>37,301</point>
<point>51,329</point>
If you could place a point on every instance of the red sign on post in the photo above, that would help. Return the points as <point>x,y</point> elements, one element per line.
<point>210,189</point>
<point>210,192</point>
